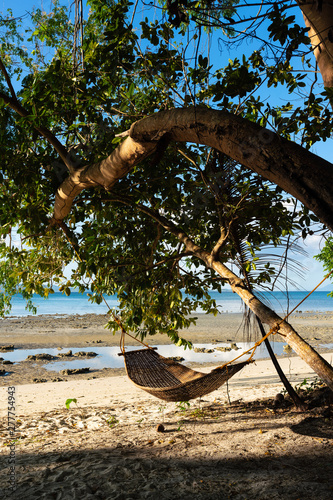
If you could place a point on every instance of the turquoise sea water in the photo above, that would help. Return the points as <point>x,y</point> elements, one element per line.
<point>229,303</point>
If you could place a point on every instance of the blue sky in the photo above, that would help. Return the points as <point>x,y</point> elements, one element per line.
<point>314,271</point>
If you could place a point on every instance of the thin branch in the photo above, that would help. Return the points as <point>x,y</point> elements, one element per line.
<point>134,11</point>
<point>15,105</point>
<point>8,80</point>
<point>254,20</point>
<point>191,247</point>
<point>64,154</point>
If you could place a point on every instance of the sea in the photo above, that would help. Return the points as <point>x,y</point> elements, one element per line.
<point>227,301</point>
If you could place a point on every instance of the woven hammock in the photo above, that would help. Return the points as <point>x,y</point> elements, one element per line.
<point>168,380</point>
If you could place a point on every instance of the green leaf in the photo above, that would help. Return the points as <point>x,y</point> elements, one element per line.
<point>70,401</point>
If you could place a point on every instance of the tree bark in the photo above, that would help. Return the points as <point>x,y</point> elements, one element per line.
<point>105,174</point>
<point>318,16</point>
<point>299,403</point>
<point>304,175</point>
<point>67,157</point>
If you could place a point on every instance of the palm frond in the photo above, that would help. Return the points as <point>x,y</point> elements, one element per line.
<point>244,201</point>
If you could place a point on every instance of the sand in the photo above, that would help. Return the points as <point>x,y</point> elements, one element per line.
<point>66,331</point>
<point>237,442</point>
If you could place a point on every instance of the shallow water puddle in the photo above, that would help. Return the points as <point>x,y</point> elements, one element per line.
<point>327,346</point>
<point>107,357</point>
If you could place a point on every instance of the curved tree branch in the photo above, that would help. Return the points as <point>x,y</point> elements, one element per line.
<point>105,174</point>
<point>304,175</point>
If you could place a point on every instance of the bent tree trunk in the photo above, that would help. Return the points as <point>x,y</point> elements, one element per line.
<point>299,172</point>
<point>304,175</point>
<point>269,317</point>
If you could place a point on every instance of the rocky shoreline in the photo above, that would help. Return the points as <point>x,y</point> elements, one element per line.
<point>78,330</point>
<point>61,331</point>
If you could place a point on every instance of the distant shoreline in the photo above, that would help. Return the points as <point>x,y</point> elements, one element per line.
<point>54,330</point>
<point>199,313</point>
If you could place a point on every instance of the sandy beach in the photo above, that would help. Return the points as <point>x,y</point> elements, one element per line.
<point>239,442</point>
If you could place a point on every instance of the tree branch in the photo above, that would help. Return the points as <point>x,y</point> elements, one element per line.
<point>219,244</point>
<point>64,154</point>
<point>8,80</point>
<point>319,20</point>
<point>304,175</point>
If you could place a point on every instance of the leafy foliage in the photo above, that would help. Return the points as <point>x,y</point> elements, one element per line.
<point>326,257</point>
<point>133,68</point>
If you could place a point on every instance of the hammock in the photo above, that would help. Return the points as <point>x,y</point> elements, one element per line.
<point>171,381</point>
<point>168,380</point>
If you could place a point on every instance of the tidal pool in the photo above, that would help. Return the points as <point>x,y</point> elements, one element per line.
<point>108,357</point>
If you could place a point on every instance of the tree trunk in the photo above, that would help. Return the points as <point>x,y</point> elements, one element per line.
<point>299,403</point>
<point>304,175</point>
<point>318,16</point>
<point>269,317</point>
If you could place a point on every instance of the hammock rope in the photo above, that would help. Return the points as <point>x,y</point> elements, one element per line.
<point>169,380</point>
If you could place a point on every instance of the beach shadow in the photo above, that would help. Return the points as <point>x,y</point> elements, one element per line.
<point>315,426</point>
<point>136,473</point>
